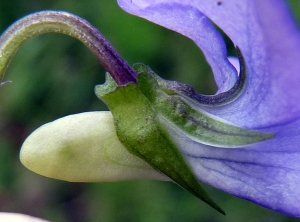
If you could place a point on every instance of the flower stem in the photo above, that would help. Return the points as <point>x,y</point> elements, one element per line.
<point>65,23</point>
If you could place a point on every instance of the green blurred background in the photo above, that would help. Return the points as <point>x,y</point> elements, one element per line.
<point>54,76</point>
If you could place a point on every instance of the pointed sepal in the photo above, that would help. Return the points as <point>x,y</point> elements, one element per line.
<point>140,130</point>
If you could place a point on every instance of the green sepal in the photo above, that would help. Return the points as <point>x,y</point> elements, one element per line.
<point>189,93</point>
<point>194,123</point>
<point>143,114</point>
<point>139,128</point>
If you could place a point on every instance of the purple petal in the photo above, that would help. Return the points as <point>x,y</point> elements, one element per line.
<point>184,19</point>
<point>268,38</point>
<point>267,173</point>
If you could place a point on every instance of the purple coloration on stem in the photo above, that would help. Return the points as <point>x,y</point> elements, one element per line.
<point>65,23</point>
<point>266,173</point>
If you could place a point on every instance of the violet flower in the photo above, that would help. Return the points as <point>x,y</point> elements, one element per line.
<point>267,173</point>
<point>263,107</point>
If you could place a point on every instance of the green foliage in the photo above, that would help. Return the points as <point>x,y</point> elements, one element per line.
<point>53,76</point>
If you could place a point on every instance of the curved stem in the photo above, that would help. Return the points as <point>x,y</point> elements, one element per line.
<point>65,23</point>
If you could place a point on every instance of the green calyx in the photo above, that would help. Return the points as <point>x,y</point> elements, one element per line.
<point>194,123</point>
<point>142,114</point>
<point>139,129</point>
